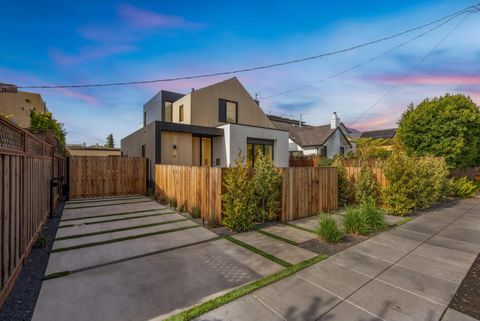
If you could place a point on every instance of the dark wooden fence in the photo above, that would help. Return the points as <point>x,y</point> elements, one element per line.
<point>305,190</point>
<point>27,164</point>
<point>99,176</point>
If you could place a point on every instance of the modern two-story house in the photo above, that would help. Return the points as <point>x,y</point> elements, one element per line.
<point>209,126</point>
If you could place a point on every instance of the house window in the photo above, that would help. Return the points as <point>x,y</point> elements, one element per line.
<point>180,113</point>
<point>342,150</point>
<point>167,111</point>
<point>144,150</point>
<point>144,118</point>
<point>227,111</point>
<point>323,151</point>
<point>256,147</point>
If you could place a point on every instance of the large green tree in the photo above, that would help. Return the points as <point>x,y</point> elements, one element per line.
<point>46,121</point>
<point>447,126</point>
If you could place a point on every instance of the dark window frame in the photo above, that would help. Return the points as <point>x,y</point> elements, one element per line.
<point>263,143</point>
<point>181,115</point>
<point>164,110</point>
<point>222,110</point>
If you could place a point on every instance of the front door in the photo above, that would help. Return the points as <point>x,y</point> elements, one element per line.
<point>206,151</point>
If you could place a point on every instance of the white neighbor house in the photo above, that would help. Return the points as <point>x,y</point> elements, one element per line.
<point>325,140</point>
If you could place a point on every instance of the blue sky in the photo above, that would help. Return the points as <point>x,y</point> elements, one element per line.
<point>67,42</point>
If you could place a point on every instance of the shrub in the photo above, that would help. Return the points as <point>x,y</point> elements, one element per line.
<point>325,161</point>
<point>354,222</point>
<point>413,182</point>
<point>172,202</point>
<point>367,187</point>
<point>266,184</point>
<point>374,217</point>
<point>212,221</point>
<point>181,208</point>
<point>463,187</point>
<point>239,198</point>
<point>196,212</point>
<point>328,229</point>
<point>345,189</point>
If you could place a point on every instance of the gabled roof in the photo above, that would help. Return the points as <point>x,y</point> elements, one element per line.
<point>305,135</point>
<point>380,133</point>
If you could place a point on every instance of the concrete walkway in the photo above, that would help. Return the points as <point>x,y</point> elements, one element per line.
<point>406,274</point>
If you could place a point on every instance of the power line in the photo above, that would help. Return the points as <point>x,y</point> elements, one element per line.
<point>251,68</point>
<point>391,89</point>
<point>362,63</point>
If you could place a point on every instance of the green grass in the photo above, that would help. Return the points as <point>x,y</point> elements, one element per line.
<point>405,220</point>
<point>99,205</point>
<point>118,229</point>
<point>328,229</point>
<point>56,275</point>
<point>114,214</point>
<point>259,252</point>
<point>300,228</point>
<point>118,219</point>
<point>277,237</point>
<point>209,305</point>
<point>94,200</point>
<point>75,247</point>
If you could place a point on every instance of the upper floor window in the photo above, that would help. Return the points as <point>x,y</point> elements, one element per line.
<point>144,118</point>
<point>167,111</point>
<point>227,111</point>
<point>180,113</point>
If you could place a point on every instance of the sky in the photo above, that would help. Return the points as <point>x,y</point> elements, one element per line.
<point>78,42</point>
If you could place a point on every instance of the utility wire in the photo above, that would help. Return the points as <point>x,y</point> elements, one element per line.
<point>391,89</point>
<point>250,68</point>
<point>362,63</point>
<point>472,77</point>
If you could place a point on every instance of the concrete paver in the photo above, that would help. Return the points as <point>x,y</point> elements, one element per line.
<point>406,274</point>
<point>287,252</point>
<point>152,286</point>
<point>392,219</point>
<point>111,209</point>
<point>108,202</point>
<point>91,228</point>
<point>115,235</point>
<point>290,233</point>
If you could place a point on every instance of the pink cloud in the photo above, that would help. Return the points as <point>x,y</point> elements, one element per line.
<point>431,79</point>
<point>77,95</point>
<point>141,18</point>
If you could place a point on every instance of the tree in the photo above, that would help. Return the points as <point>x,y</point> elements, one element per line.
<point>110,142</point>
<point>448,126</point>
<point>46,121</point>
<point>368,190</point>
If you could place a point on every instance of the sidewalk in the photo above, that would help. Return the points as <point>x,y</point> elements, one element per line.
<point>408,273</point>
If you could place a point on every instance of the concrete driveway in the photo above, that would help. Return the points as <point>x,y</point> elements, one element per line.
<point>129,258</point>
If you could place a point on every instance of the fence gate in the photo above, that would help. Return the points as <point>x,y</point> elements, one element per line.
<point>100,176</point>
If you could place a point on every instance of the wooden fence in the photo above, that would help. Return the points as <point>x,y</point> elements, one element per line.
<point>26,168</point>
<point>305,190</point>
<point>99,176</point>
<point>353,172</point>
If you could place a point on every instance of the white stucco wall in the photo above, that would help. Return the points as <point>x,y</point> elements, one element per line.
<point>235,140</point>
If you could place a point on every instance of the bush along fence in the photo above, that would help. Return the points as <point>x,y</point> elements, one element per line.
<point>304,191</point>
<point>27,166</point>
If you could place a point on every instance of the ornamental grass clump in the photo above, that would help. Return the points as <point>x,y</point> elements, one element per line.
<point>354,222</point>
<point>328,230</point>
<point>374,217</point>
<point>463,187</point>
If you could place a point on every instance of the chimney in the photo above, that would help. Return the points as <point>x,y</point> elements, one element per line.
<point>193,89</point>
<point>334,121</point>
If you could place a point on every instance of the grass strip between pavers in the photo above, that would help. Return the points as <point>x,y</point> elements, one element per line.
<point>405,220</point>
<point>274,236</point>
<point>119,229</point>
<point>66,273</point>
<point>119,219</point>
<point>101,205</point>
<point>114,214</point>
<point>258,251</point>
<point>301,228</point>
<point>248,288</point>
<point>94,200</point>
<point>120,239</point>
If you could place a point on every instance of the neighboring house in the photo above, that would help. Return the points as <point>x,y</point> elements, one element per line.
<point>17,105</point>
<point>82,150</point>
<point>388,133</point>
<point>325,140</point>
<point>206,127</point>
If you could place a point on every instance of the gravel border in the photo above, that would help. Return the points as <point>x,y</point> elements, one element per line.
<point>467,298</point>
<point>21,301</point>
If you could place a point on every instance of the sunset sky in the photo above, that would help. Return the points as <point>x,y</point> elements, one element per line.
<point>72,42</point>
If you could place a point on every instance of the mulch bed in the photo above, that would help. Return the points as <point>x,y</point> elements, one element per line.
<point>21,302</point>
<point>322,247</point>
<point>467,298</point>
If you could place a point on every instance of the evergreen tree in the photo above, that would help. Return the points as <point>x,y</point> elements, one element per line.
<point>110,142</point>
